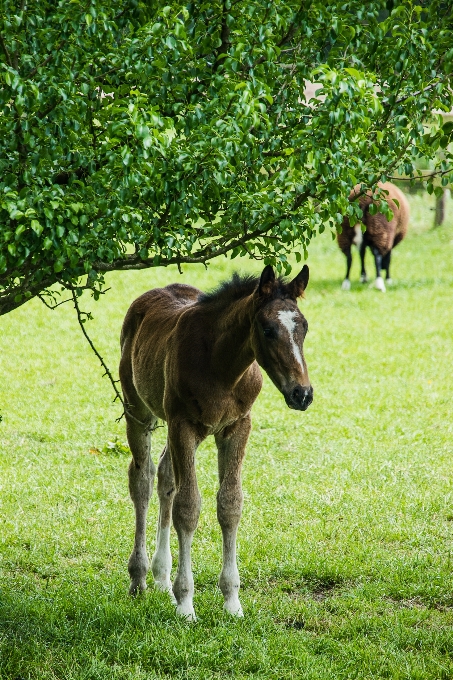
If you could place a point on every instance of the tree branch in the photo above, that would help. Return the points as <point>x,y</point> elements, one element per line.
<point>34,71</point>
<point>81,321</point>
<point>387,103</point>
<point>225,38</point>
<point>8,300</point>
<point>436,173</point>
<point>205,254</point>
<point>287,37</point>
<point>5,50</point>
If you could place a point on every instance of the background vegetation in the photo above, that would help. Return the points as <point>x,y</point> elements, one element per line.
<point>345,546</point>
<point>134,134</point>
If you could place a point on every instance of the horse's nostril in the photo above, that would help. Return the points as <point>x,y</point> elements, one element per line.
<point>298,394</point>
<point>302,396</point>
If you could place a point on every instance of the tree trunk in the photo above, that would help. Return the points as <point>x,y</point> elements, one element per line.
<point>441,203</point>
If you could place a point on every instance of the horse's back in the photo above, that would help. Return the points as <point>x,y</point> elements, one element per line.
<point>145,336</point>
<point>162,305</point>
<point>385,235</point>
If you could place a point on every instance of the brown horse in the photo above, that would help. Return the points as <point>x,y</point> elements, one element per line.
<point>380,235</point>
<point>192,360</point>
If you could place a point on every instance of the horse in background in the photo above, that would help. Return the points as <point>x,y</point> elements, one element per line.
<point>380,235</point>
<point>192,359</point>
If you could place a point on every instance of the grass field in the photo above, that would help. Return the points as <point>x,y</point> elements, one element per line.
<point>345,546</point>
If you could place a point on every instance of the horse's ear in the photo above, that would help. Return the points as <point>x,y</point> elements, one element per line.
<point>299,284</point>
<point>267,281</point>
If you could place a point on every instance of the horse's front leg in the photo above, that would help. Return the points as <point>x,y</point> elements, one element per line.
<point>379,283</point>
<point>141,479</point>
<point>362,251</point>
<point>386,265</point>
<point>231,450</point>
<point>346,285</point>
<point>182,441</point>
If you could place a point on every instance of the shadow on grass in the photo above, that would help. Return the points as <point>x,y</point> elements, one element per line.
<point>318,586</point>
<point>84,631</point>
<point>329,286</point>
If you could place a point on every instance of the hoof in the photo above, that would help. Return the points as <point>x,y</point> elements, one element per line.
<point>364,278</point>
<point>346,285</point>
<point>166,587</point>
<point>137,567</point>
<point>389,282</point>
<point>186,611</point>
<point>137,587</point>
<point>234,608</point>
<point>379,284</point>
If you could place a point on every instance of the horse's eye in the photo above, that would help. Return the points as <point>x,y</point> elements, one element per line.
<point>268,332</point>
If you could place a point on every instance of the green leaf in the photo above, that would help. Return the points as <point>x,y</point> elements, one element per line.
<point>37,227</point>
<point>354,73</point>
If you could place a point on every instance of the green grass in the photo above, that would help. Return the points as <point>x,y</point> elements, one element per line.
<point>345,546</point>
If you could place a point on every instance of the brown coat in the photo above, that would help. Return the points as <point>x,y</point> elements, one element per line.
<point>379,232</point>
<point>193,360</point>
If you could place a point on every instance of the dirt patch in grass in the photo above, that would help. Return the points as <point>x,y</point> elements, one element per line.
<point>318,588</point>
<point>420,603</point>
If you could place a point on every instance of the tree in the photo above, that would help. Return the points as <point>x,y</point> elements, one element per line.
<point>134,135</point>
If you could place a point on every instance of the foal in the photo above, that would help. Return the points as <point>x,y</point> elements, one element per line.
<point>192,360</point>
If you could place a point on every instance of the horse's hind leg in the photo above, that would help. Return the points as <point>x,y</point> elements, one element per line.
<point>139,422</point>
<point>141,479</point>
<point>161,562</point>
<point>231,449</point>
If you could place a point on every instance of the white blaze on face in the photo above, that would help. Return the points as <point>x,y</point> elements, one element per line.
<point>287,319</point>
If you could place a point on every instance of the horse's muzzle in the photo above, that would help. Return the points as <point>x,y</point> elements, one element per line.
<point>300,398</point>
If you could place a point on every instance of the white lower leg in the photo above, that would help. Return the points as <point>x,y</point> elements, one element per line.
<point>162,561</point>
<point>183,587</point>
<point>229,581</point>
<point>379,284</point>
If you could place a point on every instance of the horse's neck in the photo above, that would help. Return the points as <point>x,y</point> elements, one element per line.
<point>232,350</point>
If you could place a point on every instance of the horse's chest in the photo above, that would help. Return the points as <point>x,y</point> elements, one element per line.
<point>216,417</point>
<point>226,406</point>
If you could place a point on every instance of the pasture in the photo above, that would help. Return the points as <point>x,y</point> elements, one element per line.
<point>345,544</point>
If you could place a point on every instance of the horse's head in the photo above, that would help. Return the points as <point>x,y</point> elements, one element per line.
<point>279,331</point>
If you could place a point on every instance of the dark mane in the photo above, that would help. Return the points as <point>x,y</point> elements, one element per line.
<point>229,291</point>
<point>239,287</point>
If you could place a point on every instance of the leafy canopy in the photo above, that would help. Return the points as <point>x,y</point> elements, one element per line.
<point>136,134</point>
